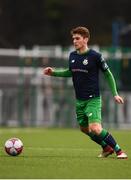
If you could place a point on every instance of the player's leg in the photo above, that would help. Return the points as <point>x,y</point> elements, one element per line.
<point>93,136</point>
<point>93,111</point>
<point>105,136</point>
<point>109,139</point>
<point>107,150</point>
<point>83,122</point>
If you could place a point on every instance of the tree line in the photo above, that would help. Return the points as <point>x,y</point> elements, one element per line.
<point>48,22</point>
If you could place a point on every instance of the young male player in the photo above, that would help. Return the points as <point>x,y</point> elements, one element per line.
<point>84,66</point>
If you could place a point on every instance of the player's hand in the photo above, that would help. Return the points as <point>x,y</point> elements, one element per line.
<point>47,71</point>
<point>119,99</point>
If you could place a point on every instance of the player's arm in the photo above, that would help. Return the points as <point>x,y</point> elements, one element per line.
<point>112,84</point>
<point>57,72</point>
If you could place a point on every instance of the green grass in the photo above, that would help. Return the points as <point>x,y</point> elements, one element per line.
<point>61,153</point>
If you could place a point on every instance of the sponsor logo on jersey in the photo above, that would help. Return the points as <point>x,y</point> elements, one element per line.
<point>79,70</point>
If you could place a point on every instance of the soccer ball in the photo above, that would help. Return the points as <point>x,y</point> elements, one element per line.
<point>13,146</point>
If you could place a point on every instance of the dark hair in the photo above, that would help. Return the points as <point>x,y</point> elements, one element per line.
<point>83,31</point>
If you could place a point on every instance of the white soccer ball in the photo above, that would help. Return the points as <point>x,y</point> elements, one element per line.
<point>13,146</point>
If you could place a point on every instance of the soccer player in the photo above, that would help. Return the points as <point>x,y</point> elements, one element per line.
<point>84,66</point>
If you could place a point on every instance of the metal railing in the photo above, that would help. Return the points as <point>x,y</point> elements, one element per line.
<point>27,98</point>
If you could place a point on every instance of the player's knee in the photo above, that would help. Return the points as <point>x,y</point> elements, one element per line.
<point>95,128</point>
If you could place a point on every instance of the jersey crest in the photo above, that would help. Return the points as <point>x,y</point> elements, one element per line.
<point>85,61</point>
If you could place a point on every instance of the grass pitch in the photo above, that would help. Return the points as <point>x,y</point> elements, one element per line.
<point>61,153</point>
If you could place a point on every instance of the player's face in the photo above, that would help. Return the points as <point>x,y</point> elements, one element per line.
<point>79,42</point>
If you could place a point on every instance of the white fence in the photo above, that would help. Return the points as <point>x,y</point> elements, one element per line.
<point>27,98</point>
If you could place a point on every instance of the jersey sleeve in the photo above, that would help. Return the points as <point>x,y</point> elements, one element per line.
<point>65,72</point>
<point>62,73</point>
<point>111,82</point>
<point>102,63</point>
